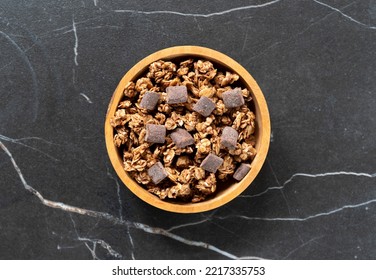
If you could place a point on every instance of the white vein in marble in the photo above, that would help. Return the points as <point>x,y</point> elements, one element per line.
<point>167,232</point>
<point>265,49</point>
<point>345,15</point>
<point>200,15</point>
<point>188,224</point>
<point>86,97</point>
<point>113,219</point>
<point>69,28</point>
<point>336,173</point>
<point>19,142</point>
<point>30,67</point>
<point>302,219</point>
<point>75,48</point>
<point>104,245</point>
<point>109,175</point>
<point>304,244</point>
<point>92,250</point>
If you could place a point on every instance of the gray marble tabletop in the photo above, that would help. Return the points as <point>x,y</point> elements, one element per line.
<point>315,197</point>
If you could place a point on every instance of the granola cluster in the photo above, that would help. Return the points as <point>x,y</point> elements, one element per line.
<point>185,179</point>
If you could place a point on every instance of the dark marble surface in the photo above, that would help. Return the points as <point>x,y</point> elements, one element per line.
<point>60,62</point>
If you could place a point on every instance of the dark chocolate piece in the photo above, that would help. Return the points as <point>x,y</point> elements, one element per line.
<point>157,173</point>
<point>176,94</point>
<point>155,133</point>
<point>242,170</point>
<point>182,138</point>
<point>149,100</point>
<point>229,138</point>
<point>211,163</point>
<point>204,106</point>
<point>233,98</point>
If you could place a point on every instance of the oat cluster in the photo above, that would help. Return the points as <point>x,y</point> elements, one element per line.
<point>186,180</point>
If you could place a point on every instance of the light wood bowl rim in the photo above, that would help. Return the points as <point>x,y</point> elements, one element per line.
<point>262,119</point>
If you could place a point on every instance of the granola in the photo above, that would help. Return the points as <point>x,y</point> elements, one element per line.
<point>185,179</point>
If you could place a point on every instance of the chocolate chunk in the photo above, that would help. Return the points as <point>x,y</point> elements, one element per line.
<point>233,98</point>
<point>229,137</point>
<point>204,106</point>
<point>242,170</point>
<point>157,173</point>
<point>149,100</point>
<point>155,133</point>
<point>176,94</point>
<point>182,138</point>
<point>211,163</point>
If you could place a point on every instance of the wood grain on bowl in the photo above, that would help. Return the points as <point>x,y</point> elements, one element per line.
<point>262,132</point>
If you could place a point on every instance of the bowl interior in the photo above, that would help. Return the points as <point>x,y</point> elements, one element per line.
<point>226,191</point>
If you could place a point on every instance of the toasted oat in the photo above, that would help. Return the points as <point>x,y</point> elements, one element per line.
<point>194,97</point>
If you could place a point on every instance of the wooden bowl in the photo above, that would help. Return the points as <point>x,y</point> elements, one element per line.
<point>262,131</point>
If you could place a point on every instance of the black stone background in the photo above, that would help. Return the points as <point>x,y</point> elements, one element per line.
<point>315,62</point>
